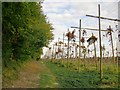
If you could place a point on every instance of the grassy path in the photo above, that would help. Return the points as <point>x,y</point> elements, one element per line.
<point>34,74</point>
<point>47,78</point>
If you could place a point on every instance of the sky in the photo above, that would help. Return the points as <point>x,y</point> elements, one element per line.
<point>63,14</point>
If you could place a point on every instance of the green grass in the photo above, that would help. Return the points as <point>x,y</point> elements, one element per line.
<point>88,77</point>
<point>47,79</point>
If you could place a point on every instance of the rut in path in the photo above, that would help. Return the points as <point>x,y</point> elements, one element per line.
<point>29,75</point>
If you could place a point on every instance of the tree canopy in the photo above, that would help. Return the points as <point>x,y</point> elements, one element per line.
<point>25,31</point>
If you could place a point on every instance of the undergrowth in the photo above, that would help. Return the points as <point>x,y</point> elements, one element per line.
<point>11,72</point>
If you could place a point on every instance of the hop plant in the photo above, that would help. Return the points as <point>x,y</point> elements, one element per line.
<point>82,40</point>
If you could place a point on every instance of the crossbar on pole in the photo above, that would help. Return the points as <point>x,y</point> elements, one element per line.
<point>103,18</point>
<point>94,29</point>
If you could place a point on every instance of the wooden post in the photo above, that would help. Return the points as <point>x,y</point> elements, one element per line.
<point>63,47</point>
<point>100,43</point>
<point>112,48</point>
<point>117,57</point>
<point>80,38</point>
<point>79,46</point>
<point>75,51</point>
<point>94,47</point>
<point>68,50</point>
<point>63,37</point>
<point>95,52</point>
<point>53,52</point>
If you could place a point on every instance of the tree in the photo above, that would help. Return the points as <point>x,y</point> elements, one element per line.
<point>25,31</point>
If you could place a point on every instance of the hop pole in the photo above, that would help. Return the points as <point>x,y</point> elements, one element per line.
<point>99,17</point>
<point>68,50</point>
<point>100,43</point>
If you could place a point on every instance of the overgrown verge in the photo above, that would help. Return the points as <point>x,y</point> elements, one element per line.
<point>10,73</point>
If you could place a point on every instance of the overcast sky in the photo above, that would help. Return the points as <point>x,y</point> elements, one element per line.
<point>66,13</point>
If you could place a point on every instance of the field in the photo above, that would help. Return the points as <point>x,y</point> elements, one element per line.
<point>44,45</point>
<point>69,75</point>
<point>61,74</point>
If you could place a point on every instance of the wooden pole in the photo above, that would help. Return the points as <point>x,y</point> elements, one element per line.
<point>68,50</point>
<point>80,38</point>
<point>63,44</point>
<point>95,52</point>
<point>112,48</point>
<point>117,57</point>
<point>75,51</point>
<point>63,48</point>
<point>100,43</point>
<point>94,47</point>
<point>79,45</point>
<point>63,37</point>
<point>58,48</point>
<point>53,52</point>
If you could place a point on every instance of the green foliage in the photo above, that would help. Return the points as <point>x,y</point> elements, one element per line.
<point>47,79</point>
<point>25,31</point>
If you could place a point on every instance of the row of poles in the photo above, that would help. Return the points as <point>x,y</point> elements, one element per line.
<point>100,46</point>
<point>99,29</point>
